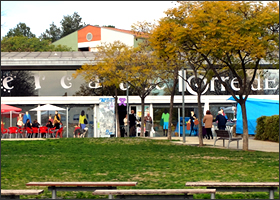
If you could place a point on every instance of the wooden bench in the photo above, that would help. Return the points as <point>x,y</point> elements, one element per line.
<point>239,186</point>
<point>225,135</point>
<point>15,194</point>
<point>155,193</point>
<point>79,186</point>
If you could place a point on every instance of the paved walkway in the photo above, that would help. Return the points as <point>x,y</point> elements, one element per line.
<point>256,145</point>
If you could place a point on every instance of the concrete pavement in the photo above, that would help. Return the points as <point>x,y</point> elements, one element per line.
<point>256,145</point>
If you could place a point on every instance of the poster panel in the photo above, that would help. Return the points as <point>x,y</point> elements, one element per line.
<point>106,121</point>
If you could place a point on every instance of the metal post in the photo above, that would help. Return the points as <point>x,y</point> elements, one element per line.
<point>271,193</point>
<point>179,122</point>
<point>127,108</point>
<point>67,120</point>
<point>183,104</point>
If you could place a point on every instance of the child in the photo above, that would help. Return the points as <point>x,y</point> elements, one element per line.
<point>77,131</point>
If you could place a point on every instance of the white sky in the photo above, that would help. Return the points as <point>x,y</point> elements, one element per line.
<point>38,15</point>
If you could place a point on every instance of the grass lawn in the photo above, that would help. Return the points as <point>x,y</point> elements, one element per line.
<point>154,164</point>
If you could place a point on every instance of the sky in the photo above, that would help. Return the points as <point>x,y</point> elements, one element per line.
<point>38,15</point>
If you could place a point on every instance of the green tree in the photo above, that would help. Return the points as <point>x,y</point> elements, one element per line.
<point>106,70</point>
<point>71,23</point>
<point>53,33</point>
<point>142,73</point>
<point>25,44</point>
<point>20,30</point>
<point>233,37</point>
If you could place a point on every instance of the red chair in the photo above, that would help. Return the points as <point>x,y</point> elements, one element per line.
<point>4,132</point>
<point>35,131</point>
<point>59,131</point>
<point>51,132</point>
<point>43,130</point>
<point>28,132</point>
<point>13,130</point>
<point>22,132</point>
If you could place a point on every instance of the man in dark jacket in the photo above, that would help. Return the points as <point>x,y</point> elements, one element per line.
<point>221,121</point>
<point>132,122</point>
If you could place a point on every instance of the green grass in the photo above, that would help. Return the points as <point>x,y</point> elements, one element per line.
<point>152,163</point>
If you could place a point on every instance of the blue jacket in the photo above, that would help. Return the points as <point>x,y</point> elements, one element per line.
<point>25,117</point>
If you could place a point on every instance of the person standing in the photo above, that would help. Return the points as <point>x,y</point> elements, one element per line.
<point>221,121</point>
<point>148,124</point>
<point>125,121</point>
<point>26,116</point>
<point>208,120</point>
<point>132,123</point>
<point>82,120</point>
<point>20,121</point>
<point>191,120</point>
<point>56,120</point>
<point>224,114</point>
<point>165,117</point>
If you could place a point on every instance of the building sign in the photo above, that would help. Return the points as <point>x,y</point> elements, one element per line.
<point>106,120</point>
<point>61,83</point>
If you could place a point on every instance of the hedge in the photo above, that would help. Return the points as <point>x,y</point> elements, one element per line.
<point>268,128</point>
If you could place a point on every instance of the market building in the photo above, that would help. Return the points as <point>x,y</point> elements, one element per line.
<point>30,79</point>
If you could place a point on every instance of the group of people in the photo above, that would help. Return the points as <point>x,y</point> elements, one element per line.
<point>131,122</point>
<point>208,120</point>
<point>25,122</point>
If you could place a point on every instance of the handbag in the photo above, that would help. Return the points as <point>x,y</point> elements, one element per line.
<point>85,121</point>
<point>196,122</point>
<point>161,122</point>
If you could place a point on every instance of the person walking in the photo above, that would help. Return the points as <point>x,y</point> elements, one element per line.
<point>221,121</point>
<point>56,120</point>
<point>82,120</point>
<point>125,122</point>
<point>148,124</point>
<point>191,120</point>
<point>165,117</point>
<point>208,121</point>
<point>132,123</point>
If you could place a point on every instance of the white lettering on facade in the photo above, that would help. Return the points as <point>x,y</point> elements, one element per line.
<point>62,82</point>
<point>191,90</point>
<point>259,84</point>
<point>37,81</point>
<point>267,84</point>
<point>5,83</point>
<point>232,84</point>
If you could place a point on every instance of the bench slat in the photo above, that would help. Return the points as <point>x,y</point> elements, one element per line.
<point>153,191</point>
<point>21,192</point>
<point>234,184</point>
<point>81,184</point>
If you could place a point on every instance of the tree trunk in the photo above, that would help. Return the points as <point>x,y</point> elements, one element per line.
<point>117,114</point>
<point>245,126</point>
<point>142,116</point>
<point>199,119</point>
<point>171,107</point>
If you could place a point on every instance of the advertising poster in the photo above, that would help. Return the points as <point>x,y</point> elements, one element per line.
<point>106,121</point>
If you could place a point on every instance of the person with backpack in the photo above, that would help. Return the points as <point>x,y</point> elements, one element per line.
<point>83,120</point>
<point>56,120</point>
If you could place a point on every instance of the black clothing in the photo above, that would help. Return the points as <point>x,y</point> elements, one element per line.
<point>36,125</point>
<point>132,120</point>
<point>209,133</point>
<point>192,123</point>
<point>27,125</point>
<point>221,122</point>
